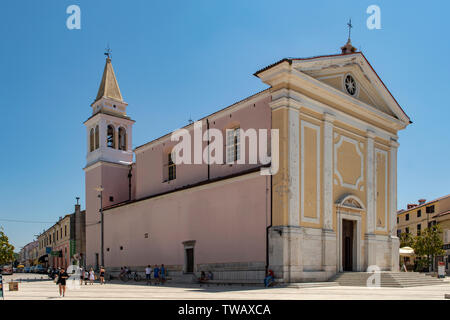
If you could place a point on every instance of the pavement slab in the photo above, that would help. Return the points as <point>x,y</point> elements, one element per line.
<point>32,287</point>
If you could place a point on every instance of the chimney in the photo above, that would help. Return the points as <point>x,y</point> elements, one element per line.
<point>422,201</point>
<point>77,206</point>
<point>78,229</point>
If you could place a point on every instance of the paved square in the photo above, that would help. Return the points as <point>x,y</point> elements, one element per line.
<point>46,289</point>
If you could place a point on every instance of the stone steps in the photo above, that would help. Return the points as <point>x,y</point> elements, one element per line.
<point>387,279</point>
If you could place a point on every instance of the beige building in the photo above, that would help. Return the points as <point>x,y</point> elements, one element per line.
<point>422,215</point>
<point>64,243</point>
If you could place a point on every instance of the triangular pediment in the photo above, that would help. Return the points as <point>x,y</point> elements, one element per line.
<point>369,89</point>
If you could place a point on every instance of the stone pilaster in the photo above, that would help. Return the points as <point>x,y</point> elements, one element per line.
<point>329,239</point>
<point>328,172</point>
<point>285,253</point>
<point>370,238</point>
<point>285,237</point>
<point>395,242</point>
<point>370,182</point>
<point>293,167</point>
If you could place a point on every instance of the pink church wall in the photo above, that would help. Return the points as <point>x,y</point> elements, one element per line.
<point>114,179</point>
<point>93,179</point>
<point>227,219</point>
<point>149,162</point>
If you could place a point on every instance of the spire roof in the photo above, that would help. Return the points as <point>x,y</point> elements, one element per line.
<point>109,88</point>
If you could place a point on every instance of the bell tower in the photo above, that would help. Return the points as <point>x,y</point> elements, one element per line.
<point>109,158</point>
<point>109,128</point>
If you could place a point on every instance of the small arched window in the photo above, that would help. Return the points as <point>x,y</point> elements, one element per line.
<point>91,140</point>
<point>97,138</point>
<point>110,143</point>
<point>122,139</point>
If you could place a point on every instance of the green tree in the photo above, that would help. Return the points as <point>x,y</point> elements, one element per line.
<point>6,249</point>
<point>406,240</point>
<point>429,244</point>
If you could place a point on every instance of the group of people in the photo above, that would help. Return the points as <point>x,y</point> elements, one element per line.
<point>60,275</point>
<point>205,277</point>
<point>159,274</point>
<point>89,276</point>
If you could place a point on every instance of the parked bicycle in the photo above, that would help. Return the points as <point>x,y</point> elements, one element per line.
<point>130,276</point>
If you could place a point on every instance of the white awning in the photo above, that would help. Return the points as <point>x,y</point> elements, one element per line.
<point>406,251</point>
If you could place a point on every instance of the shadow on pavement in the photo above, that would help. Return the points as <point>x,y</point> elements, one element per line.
<point>212,287</point>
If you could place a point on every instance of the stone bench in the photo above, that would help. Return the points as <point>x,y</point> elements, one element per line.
<point>230,282</point>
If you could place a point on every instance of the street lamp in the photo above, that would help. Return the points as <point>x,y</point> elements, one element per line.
<point>100,189</point>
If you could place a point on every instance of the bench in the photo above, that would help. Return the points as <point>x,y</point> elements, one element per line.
<point>231,282</point>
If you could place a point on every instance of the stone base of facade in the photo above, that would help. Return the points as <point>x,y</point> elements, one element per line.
<point>301,254</point>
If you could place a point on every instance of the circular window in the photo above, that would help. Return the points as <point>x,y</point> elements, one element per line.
<point>350,85</point>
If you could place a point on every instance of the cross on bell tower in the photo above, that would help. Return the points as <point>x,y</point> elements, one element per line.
<point>350,26</point>
<point>108,52</point>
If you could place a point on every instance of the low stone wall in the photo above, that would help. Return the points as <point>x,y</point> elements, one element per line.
<point>236,271</point>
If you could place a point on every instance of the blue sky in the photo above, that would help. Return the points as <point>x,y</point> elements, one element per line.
<point>186,59</point>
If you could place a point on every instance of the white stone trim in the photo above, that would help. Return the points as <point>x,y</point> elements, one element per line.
<point>299,100</point>
<point>352,197</point>
<point>359,59</point>
<point>377,151</point>
<point>336,170</point>
<point>370,183</point>
<point>348,215</point>
<point>302,171</point>
<point>293,156</point>
<point>328,171</point>
<point>393,188</point>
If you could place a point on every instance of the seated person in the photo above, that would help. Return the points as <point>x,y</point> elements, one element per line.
<point>203,277</point>
<point>210,275</point>
<point>269,279</point>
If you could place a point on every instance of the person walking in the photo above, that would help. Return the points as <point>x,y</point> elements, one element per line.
<point>85,276</point>
<point>148,273</point>
<point>156,274</point>
<point>162,272</point>
<point>91,276</point>
<point>81,276</point>
<point>102,275</point>
<point>61,282</point>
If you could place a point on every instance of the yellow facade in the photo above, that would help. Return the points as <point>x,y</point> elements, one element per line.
<point>338,154</point>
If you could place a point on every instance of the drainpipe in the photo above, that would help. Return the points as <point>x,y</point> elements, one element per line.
<point>129,182</point>
<point>339,235</point>
<point>270,223</point>
<point>207,130</point>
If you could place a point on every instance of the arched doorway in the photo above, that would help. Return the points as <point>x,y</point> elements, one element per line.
<point>349,215</point>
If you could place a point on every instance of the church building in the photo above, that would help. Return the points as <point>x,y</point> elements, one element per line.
<point>330,207</point>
